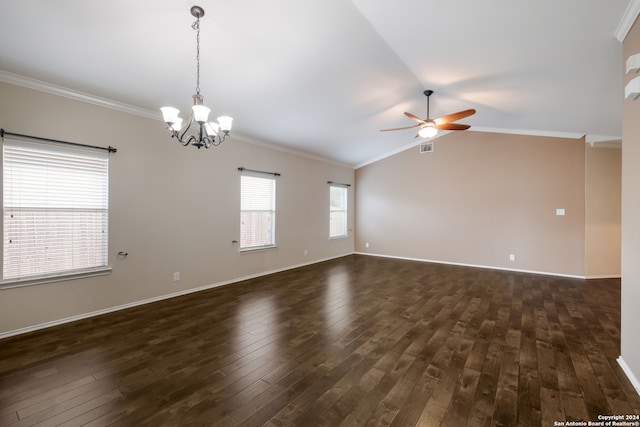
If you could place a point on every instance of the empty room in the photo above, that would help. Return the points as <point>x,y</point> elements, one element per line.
<point>336,213</point>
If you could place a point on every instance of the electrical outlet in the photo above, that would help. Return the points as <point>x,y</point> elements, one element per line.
<point>512,257</point>
<point>366,245</point>
<point>306,252</point>
<point>176,276</point>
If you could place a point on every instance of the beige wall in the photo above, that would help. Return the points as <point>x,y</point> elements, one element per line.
<point>603,171</point>
<point>171,208</point>
<point>476,199</point>
<point>631,215</point>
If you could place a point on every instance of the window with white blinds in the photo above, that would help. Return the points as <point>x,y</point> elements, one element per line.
<point>55,210</point>
<point>337,211</point>
<point>257,212</point>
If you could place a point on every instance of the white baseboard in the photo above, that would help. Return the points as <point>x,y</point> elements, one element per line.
<point>627,371</point>
<point>604,276</point>
<point>252,276</point>
<point>571,276</point>
<point>155,299</point>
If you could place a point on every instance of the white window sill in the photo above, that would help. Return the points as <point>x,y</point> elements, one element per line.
<point>18,283</point>
<point>257,249</point>
<point>346,236</point>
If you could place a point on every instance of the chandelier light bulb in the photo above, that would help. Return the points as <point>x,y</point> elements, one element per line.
<point>170,114</point>
<point>225,123</point>
<point>201,113</point>
<point>212,128</point>
<point>176,125</point>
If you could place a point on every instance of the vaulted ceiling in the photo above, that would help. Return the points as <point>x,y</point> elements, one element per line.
<point>324,76</point>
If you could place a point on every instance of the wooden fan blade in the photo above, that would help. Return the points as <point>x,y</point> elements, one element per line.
<point>408,127</point>
<point>452,126</point>
<point>416,118</point>
<point>455,116</point>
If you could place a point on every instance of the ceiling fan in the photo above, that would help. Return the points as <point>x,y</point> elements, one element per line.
<point>429,127</point>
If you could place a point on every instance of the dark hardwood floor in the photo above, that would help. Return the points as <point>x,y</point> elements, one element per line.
<point>353,341</point>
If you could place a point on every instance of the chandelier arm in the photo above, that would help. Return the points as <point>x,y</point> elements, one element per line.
<point>191,140</point>
<point>183,142</point>
<point>175,134</point>
<point>182,132</point>
<point>223,137</point>
<point>180,137</point>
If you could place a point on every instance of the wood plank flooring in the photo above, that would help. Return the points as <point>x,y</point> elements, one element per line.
<point>356,341</point>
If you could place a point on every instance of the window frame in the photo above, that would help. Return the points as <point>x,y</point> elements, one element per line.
<point>48,275</point>
<point>272,211</point>
<point>345,211</point>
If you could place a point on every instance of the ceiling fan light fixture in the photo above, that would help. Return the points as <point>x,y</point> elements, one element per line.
<point>428,128</point>
<point>428,131</point>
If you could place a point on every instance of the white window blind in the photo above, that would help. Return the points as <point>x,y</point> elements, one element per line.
<point>55,210</point>
<point>257,212</point>
<point>337,211</point>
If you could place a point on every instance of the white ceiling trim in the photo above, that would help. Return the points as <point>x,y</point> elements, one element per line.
<point>628,18</point>
<point>600,140</point>
<point>276,147</point>
<point>42,86</point>
<point>390,153</point>
<point>550,134</point>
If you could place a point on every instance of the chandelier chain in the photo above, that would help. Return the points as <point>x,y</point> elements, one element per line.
<point>196,26</point>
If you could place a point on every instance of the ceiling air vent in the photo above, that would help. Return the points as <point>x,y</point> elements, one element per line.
<point>426,147</point>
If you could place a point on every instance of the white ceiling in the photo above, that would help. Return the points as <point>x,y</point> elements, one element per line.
<point>324,76</point>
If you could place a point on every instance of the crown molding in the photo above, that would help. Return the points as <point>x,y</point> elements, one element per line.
<point>283,149</point>
<point>399,150</point>
<point>628,18</point>
<point>603,141</point>
<point>43,86</point>
<point>528,132</point>
<point>549,134</point>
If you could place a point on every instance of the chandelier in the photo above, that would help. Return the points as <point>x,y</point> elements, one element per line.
<point>198,131</point>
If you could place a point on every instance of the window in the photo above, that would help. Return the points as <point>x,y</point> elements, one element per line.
<point>55,211</point>
<point>257,212</point>
<point>337,211</point>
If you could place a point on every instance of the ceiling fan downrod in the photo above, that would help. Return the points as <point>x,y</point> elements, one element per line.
<point>428,93</point>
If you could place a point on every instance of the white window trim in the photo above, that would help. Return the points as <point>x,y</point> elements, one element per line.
<point>259,174</point>
<point>60,276</point>
<point>346,211</point>
<point>53,278</point>
<point>344,236</point>
<point>258,248</point>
